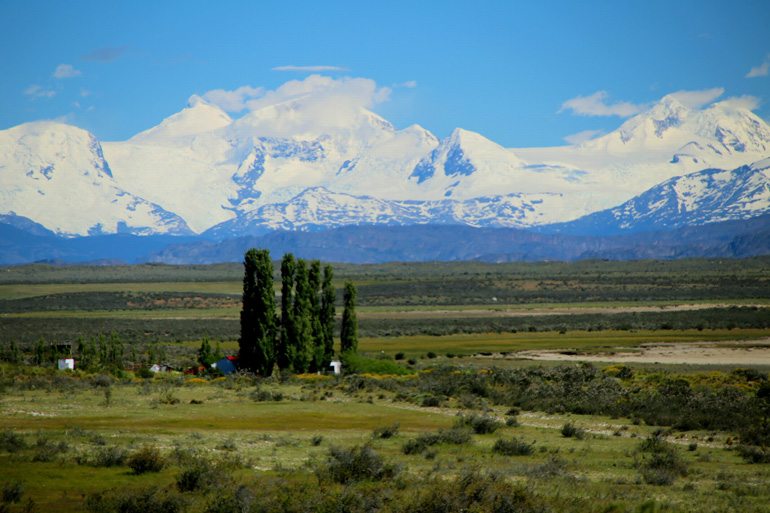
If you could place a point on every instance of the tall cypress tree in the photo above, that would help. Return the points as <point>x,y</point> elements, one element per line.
<point>314,289</point>
<point>288,268</point>
<point>300,350</point>
<point>349,331</point>
<point>326,316</point>
<point>258,324</point>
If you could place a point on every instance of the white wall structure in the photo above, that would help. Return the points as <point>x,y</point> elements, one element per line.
<point>66,363</point>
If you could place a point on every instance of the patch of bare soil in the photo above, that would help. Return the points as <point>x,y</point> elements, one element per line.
<point>755,352</point>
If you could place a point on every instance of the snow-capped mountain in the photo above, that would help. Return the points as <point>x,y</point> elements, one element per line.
<point>296,163</point>
<point>708,196</point>
<point>665,141</point>
<point>318,208</point>
<point>57,175</point>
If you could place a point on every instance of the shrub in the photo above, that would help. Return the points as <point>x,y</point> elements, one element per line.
<point>356,464</point>
<point>146,459</point>
<point>660,463</point>
<point>512,422</point>
<point>754,454</point>
<point>570,430</point>
<point>474,491</point>
<point>386,431</point>
<point>11,441</point>
<point>13,492</point>
<point>316,440</point>
<point>260,395</point>
<point>199,474</point>
<point>480,424</point>
<point>513,447</point>
<point>431,401</point>
<point>110,457</point>
<point>134,501</point>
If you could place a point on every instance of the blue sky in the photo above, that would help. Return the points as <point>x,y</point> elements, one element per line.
<point>520,73</point>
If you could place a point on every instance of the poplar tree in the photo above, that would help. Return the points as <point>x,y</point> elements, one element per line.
<point>288,268</point>
<point>314,290</point>
<point>258,323</point>
<point>349,331</point>
<point>300,350</point>
<point>326,316</point>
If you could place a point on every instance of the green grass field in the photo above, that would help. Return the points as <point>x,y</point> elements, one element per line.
<point>269,444</point>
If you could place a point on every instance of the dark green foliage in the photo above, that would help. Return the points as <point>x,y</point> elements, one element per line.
<point>479,424</point>
<point>198,474</point>
<point>206,354</point>
<point>355,464</point>
<point>314,300</point>
<point>300,344</point>
<point>349,331</point>
<point>477,492</point>
<point>11,442</point>
<point>258,320</point>
<point>13,491</point>
<point>134,501</point>
<point>146,459</point>
<point>288,267</point>
<point>386,431</point>
<point>326,317</point>
<point>570,430</point>
<point>112,456</point>
<point>513,447</point>
<point>660,461</point>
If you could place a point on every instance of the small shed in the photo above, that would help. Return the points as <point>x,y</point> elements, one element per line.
<point>66,364</point>
<point>227,364</point>
<point>337,366</point>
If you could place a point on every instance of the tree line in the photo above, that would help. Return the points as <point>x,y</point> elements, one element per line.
<point>301,339</point>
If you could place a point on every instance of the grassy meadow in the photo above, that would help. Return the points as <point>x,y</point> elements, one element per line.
<point>438,413</point>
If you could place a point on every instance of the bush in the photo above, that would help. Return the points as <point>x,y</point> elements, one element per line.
<point>13,492</point>
<point>110,457</point>
<point>134,501</point>
<point>147,459</point>
<point>660,463</point>
<point>479,424</point>
<point>431,401</point>
<point>11,442</point>
<point>356,464</point>
<point>513,447</point>
<point>512,422</point>
<point>266,396</point>
<point>474,491</point>
<point>386,431</point>
<point>754,454</point>
<point>570,430</point>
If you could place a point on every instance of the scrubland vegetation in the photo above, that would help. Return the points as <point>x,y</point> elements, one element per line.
<point>415,424</point>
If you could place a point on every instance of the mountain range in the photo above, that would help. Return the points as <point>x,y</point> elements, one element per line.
<point>285,167</point>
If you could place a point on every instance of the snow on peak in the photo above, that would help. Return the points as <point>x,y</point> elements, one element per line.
<point>197,118</point>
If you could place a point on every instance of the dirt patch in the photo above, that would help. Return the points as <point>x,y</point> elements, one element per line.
<point>755,352</point>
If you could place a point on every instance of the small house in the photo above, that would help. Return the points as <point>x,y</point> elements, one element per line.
<point>337,366</point>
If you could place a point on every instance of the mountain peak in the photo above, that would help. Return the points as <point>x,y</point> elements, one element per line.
<point>197,118</point>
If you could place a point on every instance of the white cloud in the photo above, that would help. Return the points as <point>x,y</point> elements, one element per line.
<point>233,101</point>
<point>410,84</point>
<point>84,92</point>
<point>697,99</point>
<point>585,135</point>
<point>760,71</point>
<point>595,105</point>
<point>740,102</point>
<point>65,71</point>
<point>36,91</point>
<point>310,68</point>
<point>317,89</point>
